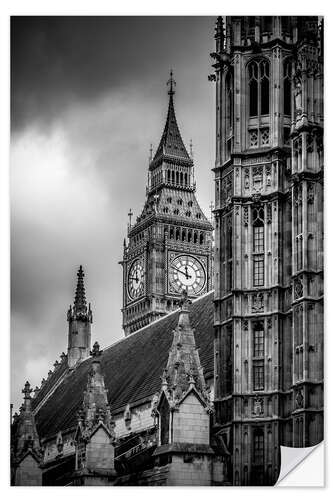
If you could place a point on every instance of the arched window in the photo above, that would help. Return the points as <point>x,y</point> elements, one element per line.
<point>169,176</point>
<point>177,177</point>
<point>258,457</point>
<point>172,176</point>
<point>195,238</point>
<point>186,179</point>
<point>189,236</point>
<point>201,238</point>
<point>258,247</point>
<point>181,178</point>
<point>287,68</point>
<point>259,87</point>
<point>164,413</point>
<point>183,235</point>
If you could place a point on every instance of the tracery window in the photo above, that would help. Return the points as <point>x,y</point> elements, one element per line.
<point>259,87</point>
<point>258,247</point>
<point>258,341</point>
<point>258,456</point>
<point>258,357</point>
<point>258,375</point>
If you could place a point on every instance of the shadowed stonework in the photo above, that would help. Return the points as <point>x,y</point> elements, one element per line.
<point>221,361</point>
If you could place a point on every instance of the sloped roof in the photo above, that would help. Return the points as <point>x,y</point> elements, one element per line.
<point>171,143</point>
<point>132,368</point>
<point>188,209</point>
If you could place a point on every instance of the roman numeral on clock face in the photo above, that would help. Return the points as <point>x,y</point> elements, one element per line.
<point>186,272</point>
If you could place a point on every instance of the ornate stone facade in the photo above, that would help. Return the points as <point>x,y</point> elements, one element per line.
<point>269,239</point>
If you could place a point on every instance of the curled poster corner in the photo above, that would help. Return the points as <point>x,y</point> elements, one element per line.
<point>298,467</point>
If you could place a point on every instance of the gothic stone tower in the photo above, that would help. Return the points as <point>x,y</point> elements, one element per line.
<point>79,319</point>
<point>169,246</point>
<point>269,244</point>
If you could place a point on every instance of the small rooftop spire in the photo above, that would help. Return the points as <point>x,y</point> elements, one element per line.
<point>80,303</point>
<point>171,83</point>
<point>183,370</point>
<point>25,434</point>
<point>95,406</point>
<point>27,391</point>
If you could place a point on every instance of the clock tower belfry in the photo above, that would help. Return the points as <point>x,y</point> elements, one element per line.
<point>169,247</point>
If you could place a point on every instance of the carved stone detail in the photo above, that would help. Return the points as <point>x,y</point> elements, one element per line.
<point>258,406</point>
<point>246,216</point>
<point>258,302</point>
<point>269,213</point>
<point>299,399</point>
<point>298,288</point>
<point>310,193</point>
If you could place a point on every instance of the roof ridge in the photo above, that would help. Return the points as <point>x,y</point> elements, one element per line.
<point>154,322</point>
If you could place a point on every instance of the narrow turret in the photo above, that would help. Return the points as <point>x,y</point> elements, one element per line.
<point>79,319</point>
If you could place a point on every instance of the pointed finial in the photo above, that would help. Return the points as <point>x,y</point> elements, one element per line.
<point>96,352</point>
<point>184,302</point>
<point>219,27</point>
<point>171,84</point>
<point>80,304</point>
<point>151,152</point>
<point>164,378</point>
<point>191,379</point>
<point>27,390</point>
<point>191,148</point>
<point>130,214</point>
<point>211,206</point>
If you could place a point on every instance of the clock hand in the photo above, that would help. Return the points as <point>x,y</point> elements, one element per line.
<point>182,272</point>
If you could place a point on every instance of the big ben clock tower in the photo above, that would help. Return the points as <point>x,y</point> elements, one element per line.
<point>169,248</point>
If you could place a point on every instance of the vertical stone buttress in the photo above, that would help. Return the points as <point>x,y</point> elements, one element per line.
<point>79,319</point>
<point>268,255</point>
<point>307,236</point>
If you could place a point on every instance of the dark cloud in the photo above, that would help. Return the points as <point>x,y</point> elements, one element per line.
<point>56,61</point>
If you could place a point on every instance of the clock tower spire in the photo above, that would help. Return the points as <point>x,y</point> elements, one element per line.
<point>170,243</point>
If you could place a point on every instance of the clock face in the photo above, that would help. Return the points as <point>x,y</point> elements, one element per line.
<point>135,279</point>
<point>187,273</point>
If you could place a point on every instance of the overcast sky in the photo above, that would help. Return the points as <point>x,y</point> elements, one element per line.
<point>88,96</point>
